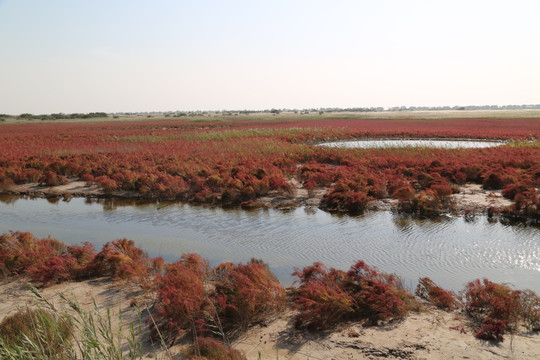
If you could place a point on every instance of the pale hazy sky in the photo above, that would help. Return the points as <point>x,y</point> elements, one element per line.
<point>106,55</point>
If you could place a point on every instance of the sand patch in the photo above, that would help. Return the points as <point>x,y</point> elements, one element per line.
<point>433,334</point>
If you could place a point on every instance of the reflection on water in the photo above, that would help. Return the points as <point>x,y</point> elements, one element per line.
<point>400,143</point>
<point>451,250</point>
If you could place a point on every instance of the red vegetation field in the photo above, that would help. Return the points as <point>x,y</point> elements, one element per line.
<point>236,162</point>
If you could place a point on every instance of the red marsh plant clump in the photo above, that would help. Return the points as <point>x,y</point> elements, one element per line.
<point>498,309</point>
<point>182,297</point>
<point>49,261</point>
<point>196,299</point>
<point>246,293</point>
<point>329,296</point>
<point>435,295</point>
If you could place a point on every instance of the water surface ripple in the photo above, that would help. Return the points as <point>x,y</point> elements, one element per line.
<point>451,251</point>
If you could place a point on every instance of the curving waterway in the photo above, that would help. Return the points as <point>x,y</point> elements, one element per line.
<point>451,251</point>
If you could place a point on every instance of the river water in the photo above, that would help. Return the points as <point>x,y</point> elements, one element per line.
<point>451,251</point>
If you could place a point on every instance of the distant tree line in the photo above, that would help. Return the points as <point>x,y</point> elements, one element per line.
<point>59,116</point>
<point>467,107</point>
<point>274,111</point>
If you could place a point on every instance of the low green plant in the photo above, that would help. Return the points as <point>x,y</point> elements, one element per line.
<point>212,349</point>
<point>47,333</point>
<point>34,331</point>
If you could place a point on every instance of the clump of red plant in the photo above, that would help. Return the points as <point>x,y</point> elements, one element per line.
<point>321,298</point>
<point>328,296</point>
<point>247,293</point>
<point>120,259</point>
<point>495,308</point>
<point>346,195</point>
<point>435,295</point>
<point>182,297</point>
<point>526,207</point>
<point>378,296</point>
<point>49,261</point>
<point>195,299</point>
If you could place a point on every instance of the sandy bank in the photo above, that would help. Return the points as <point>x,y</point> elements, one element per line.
<point>432,334</point>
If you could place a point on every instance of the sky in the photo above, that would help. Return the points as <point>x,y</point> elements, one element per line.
<point>136,56</point>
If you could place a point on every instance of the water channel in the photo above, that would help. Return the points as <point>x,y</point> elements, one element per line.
<point>451,251</point>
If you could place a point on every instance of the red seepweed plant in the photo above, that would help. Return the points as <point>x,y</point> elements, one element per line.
<point>378,296</point>
<point>182,297</point>
<point>328,296</point>
<point>247,293</point>
<point>435,295</point>
<point>196,299</point>
<point>496,308</point>
<point>321,299</point>
<point>49,261</point>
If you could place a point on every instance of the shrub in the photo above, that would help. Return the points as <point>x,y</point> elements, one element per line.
<point>54,270</point>
<point>321,299</point>
<point>50,333</point>
<point>492,330</point>
<point>70,264</point>
<point>425,204</point>
<point>424,179</point>
<point>403,193</point>
<point>88,179</point>
<point>247,293</point>
<point>21,252</point>
<point>50,178</point>
<point>328,296</point>
<point>120,259</point>
<point>346,195</point>
<point>49,261</point>
<point>435,295</point>
<point>493,181</point>
<point>158,265</point>
<point>314,174</point>
<point>12,246</point>
<point>376,188</point>
<point>496,308</point>
<point>442,190</point>
<point>211,349</point>
<point>460,178</point>
<point>526,206</point>
<point>181,295</point>
<point>530,307</point>
<point>107,184</point>
<point>377,296</point>
<point>511,190</point>
<point>83,255</point>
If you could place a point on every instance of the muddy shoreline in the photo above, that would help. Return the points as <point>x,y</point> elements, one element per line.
<point>470,201</point>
